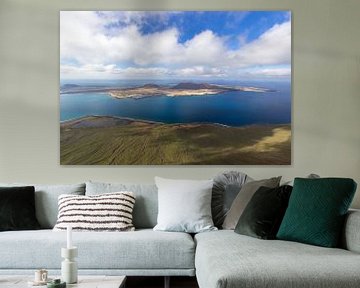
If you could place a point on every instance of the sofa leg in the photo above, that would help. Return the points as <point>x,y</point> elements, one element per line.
<point>167,282</point>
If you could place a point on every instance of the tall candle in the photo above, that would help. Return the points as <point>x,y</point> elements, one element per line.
<point>69,237</point>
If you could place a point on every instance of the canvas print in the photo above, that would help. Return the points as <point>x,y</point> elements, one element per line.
<point>175,87</point>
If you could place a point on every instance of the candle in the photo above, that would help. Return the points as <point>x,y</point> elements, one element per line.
<point>69,237</point>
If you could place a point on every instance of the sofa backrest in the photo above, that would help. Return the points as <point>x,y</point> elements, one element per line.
<point>146,203</point>
<point>46,200</point>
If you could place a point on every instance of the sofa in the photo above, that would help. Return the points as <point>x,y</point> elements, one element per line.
<point>219,259</point>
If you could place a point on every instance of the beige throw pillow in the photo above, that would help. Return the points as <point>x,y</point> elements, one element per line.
<point>243,198</point>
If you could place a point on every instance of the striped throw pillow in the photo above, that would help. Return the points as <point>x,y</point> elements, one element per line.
<point>105,212</point>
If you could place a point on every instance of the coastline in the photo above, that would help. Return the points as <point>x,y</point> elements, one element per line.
<point>129,120</point>
<point>102,117</point>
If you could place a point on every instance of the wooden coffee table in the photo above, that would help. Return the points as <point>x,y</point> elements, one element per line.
<point>83,282</point>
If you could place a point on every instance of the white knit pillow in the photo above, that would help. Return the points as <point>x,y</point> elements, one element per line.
<point>105,212</point>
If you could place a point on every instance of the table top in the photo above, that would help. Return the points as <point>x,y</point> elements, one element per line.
<point>84,281</point>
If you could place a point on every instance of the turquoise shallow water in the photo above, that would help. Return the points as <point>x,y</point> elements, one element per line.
<point>231,108</point>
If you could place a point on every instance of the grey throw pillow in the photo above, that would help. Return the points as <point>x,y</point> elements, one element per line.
<point>226,187</point>
<point>310,176</point>
<point>146,205</point>
<point>243,198</point>
<point>184,205</point>
<point>46,200</point>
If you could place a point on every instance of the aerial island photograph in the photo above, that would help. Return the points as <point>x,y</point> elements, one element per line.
<point>175,88</point>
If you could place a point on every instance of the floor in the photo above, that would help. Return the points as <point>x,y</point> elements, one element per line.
<point>158,282</point>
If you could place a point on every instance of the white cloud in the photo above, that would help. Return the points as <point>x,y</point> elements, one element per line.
<point>135,17</point>
<point>146,73</point>
<point>281,72</point>
<point>272,47</point>
<point>199,71</point>
<point>272,72</point>
<point>103,71</point>
<point>204,48</point>
<point>161,47</point>
<point>83,38</point>
<point>89,68</point>
<point>77,37</point>
<point>88,45</point>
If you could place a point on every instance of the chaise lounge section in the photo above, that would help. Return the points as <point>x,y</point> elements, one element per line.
<point>225,259</point>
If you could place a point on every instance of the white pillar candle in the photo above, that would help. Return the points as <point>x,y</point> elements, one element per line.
<point>69,237</point>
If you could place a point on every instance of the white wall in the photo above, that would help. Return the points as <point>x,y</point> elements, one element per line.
<point>326,91</point>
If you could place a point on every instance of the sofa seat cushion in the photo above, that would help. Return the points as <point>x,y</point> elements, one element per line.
<point>142,249</point>
<point>225,259</point>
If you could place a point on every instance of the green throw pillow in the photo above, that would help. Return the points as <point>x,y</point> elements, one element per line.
<point>316,211</point>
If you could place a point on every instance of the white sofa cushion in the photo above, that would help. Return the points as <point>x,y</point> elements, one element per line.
<point>184,205</point>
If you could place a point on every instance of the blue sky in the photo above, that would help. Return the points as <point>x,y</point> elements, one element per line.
<point>223,23</point>
<point>174,44</point>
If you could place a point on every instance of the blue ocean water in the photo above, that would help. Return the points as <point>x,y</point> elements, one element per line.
<point>230,108</point>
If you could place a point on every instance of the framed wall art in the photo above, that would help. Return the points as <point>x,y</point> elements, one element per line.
<point>175,87</point>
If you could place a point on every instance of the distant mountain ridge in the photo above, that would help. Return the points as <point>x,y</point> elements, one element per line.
<point>70,86</point>
<point>150,85</point>
<point>194,86</point>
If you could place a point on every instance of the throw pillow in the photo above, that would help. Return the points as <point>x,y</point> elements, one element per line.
<point>263,215</point>
<point>184,205</point>
<point>226,187</point>
<point>146,205</point>
<point>243,198</point>
<point>106,212</point>
<point>311,176</point>
<point>46,200</point>
<point>317,209</point>
<point>17,209</point>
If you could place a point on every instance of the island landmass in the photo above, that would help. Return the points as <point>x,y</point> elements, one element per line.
<point>149,90</point>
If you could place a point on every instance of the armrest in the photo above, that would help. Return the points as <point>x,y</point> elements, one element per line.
<point>351,234</point>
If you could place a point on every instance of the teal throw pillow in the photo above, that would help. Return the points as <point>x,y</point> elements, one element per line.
<point>316,211</point>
